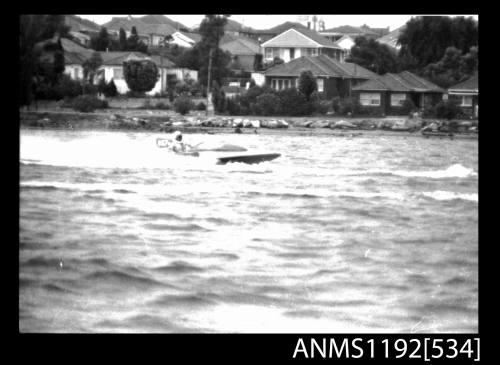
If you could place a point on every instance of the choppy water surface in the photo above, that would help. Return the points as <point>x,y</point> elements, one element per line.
<point>366,234</point>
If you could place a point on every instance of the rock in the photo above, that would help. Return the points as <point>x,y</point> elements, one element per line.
<point>343,124</point>
<point>247,123</point>
<point>112,117</point>
<point>320,124</point>
<point>176,124</point>
<point>282,123</point>
<point>255,123</point>
<point>238,122</point>
<point>330,113</point>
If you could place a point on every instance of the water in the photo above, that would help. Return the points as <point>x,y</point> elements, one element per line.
<point>366,234</point>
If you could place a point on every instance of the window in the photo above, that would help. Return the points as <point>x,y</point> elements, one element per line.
<point>370,99</point>
<point>76,74</point>
<point>466,100</point>
<point>292,53</point>
<point>398,99</point>
<point>320,85</point>
<point>312,51</point>
<point>117,73</point>
<point>269,53</point>
<point>280,84</point>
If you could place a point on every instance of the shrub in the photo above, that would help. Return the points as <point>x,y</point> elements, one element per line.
<point>67,87</point>
<point>182,88</point>
<point>408,106</point>
<point>267,104</point>
<point>162,105</point>
<point>347,105</point>
<point>110,89</point>
<point>447,109</point>
<point>233,106</point>
<point>140,75</point>
<point>183,104</point>
<point>293,103</point>
<point>88,89</point>
<point>135,94</point>
<point>88,103</point>
<point>201,106</point>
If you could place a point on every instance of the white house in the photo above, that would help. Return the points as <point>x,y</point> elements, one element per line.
<point>346,43</point>
<point>112,68</point>
<point>185,39</point>
<point>298,42</point>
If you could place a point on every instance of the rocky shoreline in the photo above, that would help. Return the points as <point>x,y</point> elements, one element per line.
<point>147,121</point>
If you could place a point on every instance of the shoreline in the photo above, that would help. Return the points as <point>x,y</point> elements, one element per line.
<point>167,122</point>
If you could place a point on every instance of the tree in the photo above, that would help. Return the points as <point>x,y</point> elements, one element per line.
<point>141,75</point>
<point>90,67</point>
<point>307,84</point>
<point>452,68</point>
<point>122,40</point>
<point>212,31</point>
<point>374,56</point>
<point>426,38</point>
<point>134,43</point>
<point>33,29</point>
<point>102,42</point>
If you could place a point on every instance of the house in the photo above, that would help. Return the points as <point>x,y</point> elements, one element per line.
<point>466,94</point>
<point>80,25</point>
<point>151,29</point>
<point>298,42</point>
<point>112,68</point>
<point>346,43</point>
<point>185,39</point>
<point>333,78</point>
<point>263,35</point>
<point>334,34</point>
<point>81,38</point>
<point>243,51</point>
<point>392,39</point>
<point>387,94</point>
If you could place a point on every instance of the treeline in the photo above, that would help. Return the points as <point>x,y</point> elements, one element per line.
<point>105,42</point>
<point>439,48</point>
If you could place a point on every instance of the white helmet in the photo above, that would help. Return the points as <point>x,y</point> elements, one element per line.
<point>177,135</point>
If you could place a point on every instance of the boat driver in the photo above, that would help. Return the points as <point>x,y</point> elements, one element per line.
<point>177,144</point>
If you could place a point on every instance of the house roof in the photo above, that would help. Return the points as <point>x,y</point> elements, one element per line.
<point>471,84</point>
<point>403,82</point>
<point>161,19</point>
<point>321,65</point>
<point>163,29</point>
<point>196,37</point>
<point>280,28</point>
<point>391,39</point>
<point>349,29</point>
<point>241,46</point>
<point>78,24</point>
<point>287,37</point>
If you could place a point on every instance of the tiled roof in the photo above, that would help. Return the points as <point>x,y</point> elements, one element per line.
<point>321,65</point>
<point>404,82</point>
<point>315,36</point>
<point>78,24</point>
<point>142,28</point>
<point>471,84</point>
<point>241,46</point>
<point>348,29</point>
<point>282,28</point>
<point>196,37</point>
<point>161,19</point>
<point>391,39</point>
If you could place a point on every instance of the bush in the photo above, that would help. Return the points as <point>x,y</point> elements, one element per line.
<point>293,103</point>
<point>135,94</point>
<point>447,109</point>
<point>201,106</point>
<point>267,104</point>
<point>347,105</point>
<point>67,87</point>
<point>162,105</point>
<point>408,106</point>
<point>233,106</point>
<point>88,103</point>
<point>182,88</point>
<point>140,75</point>
<point>110,89</point>
<point>183,104</point>
<point>88,89</point>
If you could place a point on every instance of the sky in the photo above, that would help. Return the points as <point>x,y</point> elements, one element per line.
<point>268,21</point>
